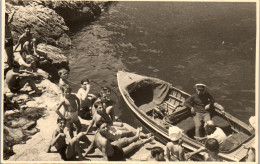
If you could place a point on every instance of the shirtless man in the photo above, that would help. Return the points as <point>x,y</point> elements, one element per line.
<point>27,42</point>
<point>64,75</point>
<point>16,81</point>
<point>116,129</point>
<point>116,150</point>
<point>85,99</point>
<point>108,103</point>
<point>66,150</point>
<point>71,105</point>
<point>210,151</point>
<point>174,149</point>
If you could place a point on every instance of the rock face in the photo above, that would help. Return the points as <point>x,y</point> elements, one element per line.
<point>46,25</point>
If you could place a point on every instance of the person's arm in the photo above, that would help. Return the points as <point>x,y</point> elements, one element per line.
<point>58,110</point>
<point>78,102</point>
<point>85,94</point>
<point>167,152</point>
<point>18,42</point>
<point>90,125</point>
<point>188,102</point>
<point>91,146</point>
<point>55,136</point>
<point>181,155</point>
<point>188,155</point>
<point>104,151</point>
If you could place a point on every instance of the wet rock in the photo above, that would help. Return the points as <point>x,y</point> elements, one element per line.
<point>47,25</point>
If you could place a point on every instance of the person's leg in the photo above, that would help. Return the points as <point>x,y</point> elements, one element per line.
<point>27,47</point>
<point>78,126</point>
<point>125,141</point>
<point>70,129</point>
<point>32,85</point>
<point>72,148</point>
<point>34,46</point>
<point>206,117</point>
<point>136,145</point>
<point>197,123</point>
<point>110,112</point>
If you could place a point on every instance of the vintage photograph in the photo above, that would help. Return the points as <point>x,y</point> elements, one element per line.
<point>129,81</point>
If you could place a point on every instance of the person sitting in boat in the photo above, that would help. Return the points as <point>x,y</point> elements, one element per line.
<point>213,132</point>
<point>64,75</point>
<point>209,152</point>
<point>117,150</point>
<point>116,129</point>
<point>174,149</point>
<point>67,150</point>
<point>200,103</point>
<point>27,42</point>
<point>85,99</point>
<point>157,154</point>
<point>103,96</point>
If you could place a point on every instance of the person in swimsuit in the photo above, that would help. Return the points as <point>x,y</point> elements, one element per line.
<point>86,99</point>
<point>210,151</point>
<point>174,149</point>
<point>16,81</point>
<point>116,129</point>
<point>64,75</point>
<point>27,42</point>
<point>68,150</point>
<point>108,103</point>
<point>117,150</point>
<point>71,105</point>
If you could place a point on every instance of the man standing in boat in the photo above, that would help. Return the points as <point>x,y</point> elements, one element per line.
<point>200,103</point>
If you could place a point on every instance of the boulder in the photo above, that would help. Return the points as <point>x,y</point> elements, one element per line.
<point>46,25</point>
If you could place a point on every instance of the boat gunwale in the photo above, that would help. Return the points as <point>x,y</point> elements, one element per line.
<point>128,99</point>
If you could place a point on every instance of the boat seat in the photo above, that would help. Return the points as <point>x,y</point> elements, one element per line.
<point>222,123</point>
<point>233,141</point>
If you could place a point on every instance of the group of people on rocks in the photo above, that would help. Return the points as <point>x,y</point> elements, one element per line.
<point>112,138</point>
<point>24,69</point>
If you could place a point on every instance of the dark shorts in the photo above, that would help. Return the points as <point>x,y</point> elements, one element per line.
<point>16,87</point>
<point>62,152</point>
<point>9,42</point>
<point>118,154</point>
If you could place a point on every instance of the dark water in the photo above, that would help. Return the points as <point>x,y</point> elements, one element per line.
<point>182,43</point>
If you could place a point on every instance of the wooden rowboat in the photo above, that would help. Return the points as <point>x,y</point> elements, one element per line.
<point>158,105</point>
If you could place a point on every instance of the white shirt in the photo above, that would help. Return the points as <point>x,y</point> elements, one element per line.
<point>218,134</point>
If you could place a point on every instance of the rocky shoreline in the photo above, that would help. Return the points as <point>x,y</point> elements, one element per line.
<point>50,24</point>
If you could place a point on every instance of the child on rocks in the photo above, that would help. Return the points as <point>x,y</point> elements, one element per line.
<point>66,150</point>
<point>157,154</point>
<point>64,75</point>
<point>71,105</point>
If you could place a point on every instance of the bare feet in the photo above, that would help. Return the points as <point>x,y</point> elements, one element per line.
<point>150,139</point>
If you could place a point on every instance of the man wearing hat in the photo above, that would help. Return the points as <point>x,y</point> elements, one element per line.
<point>200,103</point>
<point>174,148</point>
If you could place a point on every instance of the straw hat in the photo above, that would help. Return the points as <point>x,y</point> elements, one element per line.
<point>252,121</point>
<point>175,133</point>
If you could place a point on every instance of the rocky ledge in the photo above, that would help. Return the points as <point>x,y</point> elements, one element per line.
<point>50,22</point>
